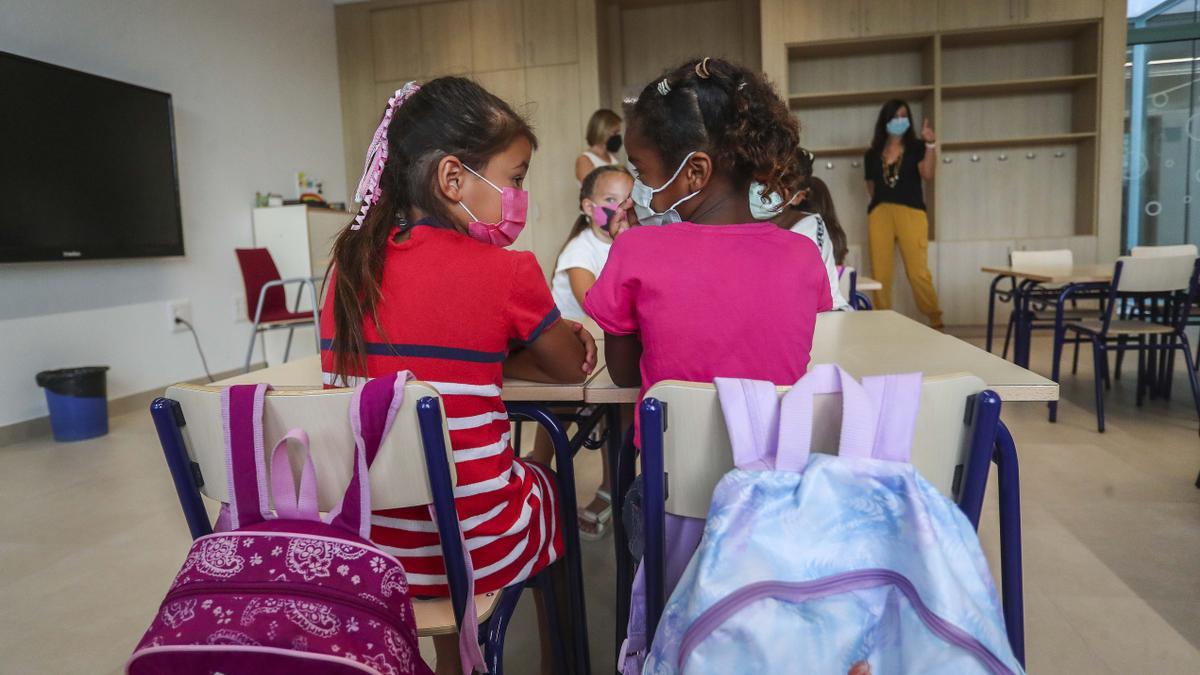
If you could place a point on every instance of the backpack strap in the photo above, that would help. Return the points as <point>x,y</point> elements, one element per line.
<point>751,410</point>
<point>859,417</point>
<point>372,411</point>
<point>245,465</point>
<point>897,399</point>
<point>289,502</point>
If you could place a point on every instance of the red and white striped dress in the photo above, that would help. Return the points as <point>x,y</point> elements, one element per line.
<point>451,308</point>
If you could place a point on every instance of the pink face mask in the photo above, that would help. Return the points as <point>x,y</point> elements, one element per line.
<point>514,205</point>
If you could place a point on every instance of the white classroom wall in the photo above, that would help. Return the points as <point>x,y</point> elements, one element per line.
<point>255,91</point>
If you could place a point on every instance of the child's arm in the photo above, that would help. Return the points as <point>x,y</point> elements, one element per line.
<point>583,166</point>
<point>565,352</point>
<point>581,282</point>
<point>622,353</point>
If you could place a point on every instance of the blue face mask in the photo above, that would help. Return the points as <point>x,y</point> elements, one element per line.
<point>898,125</point>
<point>762,211</point>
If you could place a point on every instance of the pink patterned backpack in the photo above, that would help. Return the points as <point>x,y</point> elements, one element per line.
<point>293,593</point>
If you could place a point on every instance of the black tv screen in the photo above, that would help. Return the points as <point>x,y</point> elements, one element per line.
<point>87,166</point>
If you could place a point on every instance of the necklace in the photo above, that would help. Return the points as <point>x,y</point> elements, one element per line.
<point>891,172</point>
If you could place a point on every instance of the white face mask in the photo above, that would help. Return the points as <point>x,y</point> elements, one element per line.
<point>642,195</point>
<point>762,211</point>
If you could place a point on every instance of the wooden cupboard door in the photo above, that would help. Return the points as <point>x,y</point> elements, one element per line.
<point>812,21</point>
<point>394,52</point>
<point>1042,11</point>
<point>554,111</point>
<point>446,38</point>
<point>551,32</point>
<point>899,17</point>
<point>496,35</point>
<point>507,84</point>
<point>957,14</point>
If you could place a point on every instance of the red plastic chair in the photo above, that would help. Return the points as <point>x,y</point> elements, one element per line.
<point>263,282</point>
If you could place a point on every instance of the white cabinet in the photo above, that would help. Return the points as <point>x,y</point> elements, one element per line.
<point>299,238</point>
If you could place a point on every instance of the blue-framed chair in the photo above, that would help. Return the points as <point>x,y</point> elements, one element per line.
<point>1169,286</point>
<point>1167,252</point>
<point>1036,300</point>
<point>958,435</point>
<point>414,467</point>
<point>848,284</point>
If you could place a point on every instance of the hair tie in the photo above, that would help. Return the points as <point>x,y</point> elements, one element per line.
<point>664,87</point>
<point>367,192</point>
<point>702,69</point>
<point>741,86</point>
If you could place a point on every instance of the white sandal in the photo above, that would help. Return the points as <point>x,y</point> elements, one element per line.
<point>600,520</point>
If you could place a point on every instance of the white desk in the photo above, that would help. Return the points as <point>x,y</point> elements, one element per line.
<point>864,343</point>
<point>883,342</point>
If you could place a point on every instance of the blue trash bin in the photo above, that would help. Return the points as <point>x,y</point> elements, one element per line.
<point>78,401</point>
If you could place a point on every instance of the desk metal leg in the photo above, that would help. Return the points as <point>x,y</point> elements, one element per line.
<point>565,472</point>
<point>621,459</point>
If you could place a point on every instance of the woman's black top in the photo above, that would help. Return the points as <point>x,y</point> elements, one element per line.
<point>907,190</point>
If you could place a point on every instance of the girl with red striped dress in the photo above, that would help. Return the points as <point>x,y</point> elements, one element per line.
<point>422,282</point>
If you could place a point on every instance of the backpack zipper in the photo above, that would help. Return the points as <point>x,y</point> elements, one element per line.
<point>800,591</point>
<point>283,588</point>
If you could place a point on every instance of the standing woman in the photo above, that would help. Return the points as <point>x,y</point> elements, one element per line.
<point>896,164</point>
<point>604,141</point>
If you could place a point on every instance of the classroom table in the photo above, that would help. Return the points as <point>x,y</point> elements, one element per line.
<point>1028,278</point>
<point>868,284</point>
<point>882,342</point>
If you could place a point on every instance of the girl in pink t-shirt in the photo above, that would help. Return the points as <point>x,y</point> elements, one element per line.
<point>711,292</point>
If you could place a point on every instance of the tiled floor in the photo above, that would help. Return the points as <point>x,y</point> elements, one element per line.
<point>92,535</point>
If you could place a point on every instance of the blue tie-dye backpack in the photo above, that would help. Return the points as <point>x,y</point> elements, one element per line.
<point>831,564</point>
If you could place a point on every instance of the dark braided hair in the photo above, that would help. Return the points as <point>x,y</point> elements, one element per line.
<point>447,116</point>
<point>732,113</point>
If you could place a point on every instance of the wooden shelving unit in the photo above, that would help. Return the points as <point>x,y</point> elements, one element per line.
<point>1021,86</point>
<point>838,151</point>
<point>1019,141</point>
<point>834,98</point>
<point>984,89</point>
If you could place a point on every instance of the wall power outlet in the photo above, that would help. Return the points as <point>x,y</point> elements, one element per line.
<point>181,309</point>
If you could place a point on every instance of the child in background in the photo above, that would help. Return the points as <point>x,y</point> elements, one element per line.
<point>601,218</point>
<point>809,212</point>
<point>421,282</point>
<point>583,256</point>
<point>712,292</point>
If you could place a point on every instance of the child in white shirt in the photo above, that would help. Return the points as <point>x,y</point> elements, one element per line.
<point>586,250</point>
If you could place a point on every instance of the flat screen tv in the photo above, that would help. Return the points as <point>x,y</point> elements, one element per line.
<point>87,166</point>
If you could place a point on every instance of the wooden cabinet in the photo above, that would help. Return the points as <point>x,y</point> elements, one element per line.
<point>496,35</point>
<point>1041,11</point>
<point>812,21</point>
<point>551,32</point>
<point>956,14</point>
<point>899,17</point>
<point>394,53</point>
<point>445,38</point>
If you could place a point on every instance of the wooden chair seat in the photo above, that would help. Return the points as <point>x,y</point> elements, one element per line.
<point>435,616</point>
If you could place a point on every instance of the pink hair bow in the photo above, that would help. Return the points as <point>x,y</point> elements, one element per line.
<point>367,192</point>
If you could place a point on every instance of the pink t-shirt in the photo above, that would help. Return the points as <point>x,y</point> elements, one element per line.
<point>713,300</point>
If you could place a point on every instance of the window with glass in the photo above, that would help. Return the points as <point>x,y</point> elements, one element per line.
<point>1162,124</point>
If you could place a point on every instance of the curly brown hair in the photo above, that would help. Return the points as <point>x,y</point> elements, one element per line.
<point>729,111</point>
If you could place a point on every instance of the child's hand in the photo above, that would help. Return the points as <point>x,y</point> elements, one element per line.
<point>589,346</point>
<point>623,219</point>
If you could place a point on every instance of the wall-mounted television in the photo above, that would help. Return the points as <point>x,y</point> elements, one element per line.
<point>87,166</point>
